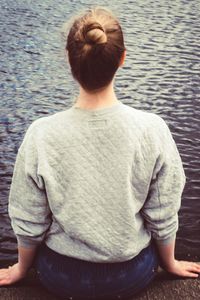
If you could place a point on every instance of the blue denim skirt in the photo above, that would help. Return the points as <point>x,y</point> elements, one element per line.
<point>71,278</point>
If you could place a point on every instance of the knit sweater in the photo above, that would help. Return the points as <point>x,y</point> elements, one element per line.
<point>96,185</point>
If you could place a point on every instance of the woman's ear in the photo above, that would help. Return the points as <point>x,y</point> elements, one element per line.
<point>122,58</point>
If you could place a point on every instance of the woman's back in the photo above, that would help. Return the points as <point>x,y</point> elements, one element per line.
<point>95,167</point>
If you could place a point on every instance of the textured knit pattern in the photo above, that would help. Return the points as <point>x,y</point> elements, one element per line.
<point>97,185</point>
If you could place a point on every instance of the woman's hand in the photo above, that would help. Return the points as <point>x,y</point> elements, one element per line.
<point>184,268</point>
<point>19,270</point>
<point>176,267</point>
<point>11,275</point>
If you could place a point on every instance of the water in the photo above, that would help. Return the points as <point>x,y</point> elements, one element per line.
<point>161,74</point>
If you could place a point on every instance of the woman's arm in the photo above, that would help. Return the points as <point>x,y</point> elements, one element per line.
<point>163,202</point>
<point>19,270</point>
<point>28,208</point>
<point>26,257</point>
<point>171,265</point>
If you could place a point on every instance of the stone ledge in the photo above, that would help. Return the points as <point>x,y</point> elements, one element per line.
<point>163,287</point>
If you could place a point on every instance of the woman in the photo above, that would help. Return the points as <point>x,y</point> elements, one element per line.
<point>98,186</point>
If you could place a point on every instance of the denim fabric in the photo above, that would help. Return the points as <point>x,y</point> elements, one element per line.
<point>76,279</point>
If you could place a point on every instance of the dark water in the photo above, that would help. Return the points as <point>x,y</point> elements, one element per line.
<point>161,75</point>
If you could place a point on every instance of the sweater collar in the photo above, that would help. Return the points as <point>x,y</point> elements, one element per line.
<point>98,111</point>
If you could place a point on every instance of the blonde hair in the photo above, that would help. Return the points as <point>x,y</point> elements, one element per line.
<point>95,46</point>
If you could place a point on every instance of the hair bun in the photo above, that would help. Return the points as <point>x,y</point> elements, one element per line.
<point>94,33</point>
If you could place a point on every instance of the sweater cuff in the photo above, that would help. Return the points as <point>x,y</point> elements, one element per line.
<point>26,242</point>
<point>166,241</point>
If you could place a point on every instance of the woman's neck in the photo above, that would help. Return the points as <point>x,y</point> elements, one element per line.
<point>99,99</point>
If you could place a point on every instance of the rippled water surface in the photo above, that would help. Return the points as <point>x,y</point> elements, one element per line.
<point>161,74</point>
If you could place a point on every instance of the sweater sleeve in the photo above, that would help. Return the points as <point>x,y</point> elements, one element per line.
<point>28,205</point>
<point>161,207</point>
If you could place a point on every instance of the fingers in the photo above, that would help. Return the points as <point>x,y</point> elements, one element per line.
<point>4,279</point>
<point>191,269</point>
<point>192,265</point>
<point>197,266</point>
<point>3,272</point>
<point>4,282</point>
<point>194,268</point>
<point>190,274</point>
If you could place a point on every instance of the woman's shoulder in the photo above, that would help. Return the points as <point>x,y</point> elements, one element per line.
<point>47,121</point>
<point>151,129</point>
<point>42,129</point>
<point>145,119</point>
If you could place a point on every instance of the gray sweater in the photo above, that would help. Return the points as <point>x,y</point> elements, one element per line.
<point>97,185</point>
